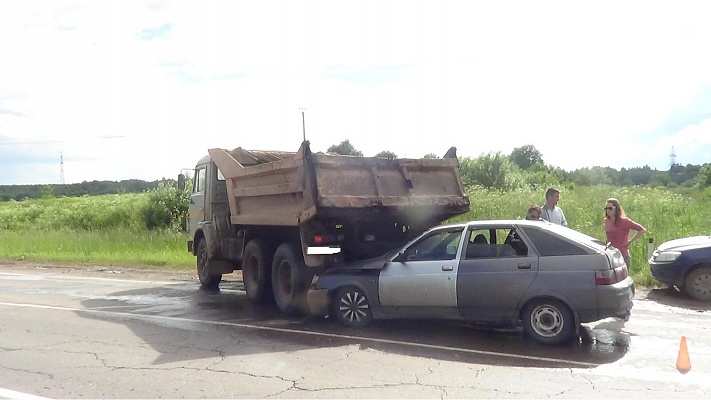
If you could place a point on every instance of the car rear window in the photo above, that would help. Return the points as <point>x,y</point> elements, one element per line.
<point>549,244</point>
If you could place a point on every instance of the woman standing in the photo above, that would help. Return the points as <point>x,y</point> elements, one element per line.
<point>618,227</point>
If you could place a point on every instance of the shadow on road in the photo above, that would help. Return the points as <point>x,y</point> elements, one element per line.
<point>183,322</point>
<point>672,297</point>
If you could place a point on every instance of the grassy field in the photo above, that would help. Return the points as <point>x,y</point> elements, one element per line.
<point>109,230</point>
<point>98,230</point>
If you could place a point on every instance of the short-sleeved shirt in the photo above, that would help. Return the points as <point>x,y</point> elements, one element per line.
<point>618,234</point>
<point>555,215</point>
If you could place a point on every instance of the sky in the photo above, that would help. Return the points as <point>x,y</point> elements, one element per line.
<point>125,89</point>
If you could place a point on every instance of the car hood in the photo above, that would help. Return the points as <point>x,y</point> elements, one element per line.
<point>693,242</point>
<point>370,263</point>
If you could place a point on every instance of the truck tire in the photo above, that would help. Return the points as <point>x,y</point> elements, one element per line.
<point>257,271</point>
<point>207,280</point>
<point>289,274</point>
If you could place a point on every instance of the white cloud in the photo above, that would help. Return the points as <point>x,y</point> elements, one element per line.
<point>576,80</point>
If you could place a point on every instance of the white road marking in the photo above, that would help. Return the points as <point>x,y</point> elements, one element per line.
<point>307,333</point>
<point>11,394</point>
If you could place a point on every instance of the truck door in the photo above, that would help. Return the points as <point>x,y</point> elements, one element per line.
<point>196,206</point>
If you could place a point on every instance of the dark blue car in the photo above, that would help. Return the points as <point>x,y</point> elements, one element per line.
<point>686,264</point>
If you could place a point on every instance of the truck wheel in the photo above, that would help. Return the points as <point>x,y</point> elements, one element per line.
<point>548,321</point>
<point>257,271</point>
<point>288,275</point>
<point>207,280</point>
<point>351,307</point>
<point>698,283</point>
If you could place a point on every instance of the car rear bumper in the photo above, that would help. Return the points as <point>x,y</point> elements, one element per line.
<point>612,301</point>
<point>317,300</point>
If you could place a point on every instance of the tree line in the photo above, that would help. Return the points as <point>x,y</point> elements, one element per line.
<point>523,167</point>
<point>93,188</point>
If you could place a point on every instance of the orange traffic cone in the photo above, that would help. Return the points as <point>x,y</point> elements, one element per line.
<point>683,364</point>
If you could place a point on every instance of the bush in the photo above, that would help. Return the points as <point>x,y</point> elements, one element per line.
<point>166,207</point>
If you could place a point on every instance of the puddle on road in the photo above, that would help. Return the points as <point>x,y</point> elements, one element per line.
<point>600,343</point>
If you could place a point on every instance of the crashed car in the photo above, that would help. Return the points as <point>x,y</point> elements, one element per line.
<point>685,264</point>
<point>546,277</point>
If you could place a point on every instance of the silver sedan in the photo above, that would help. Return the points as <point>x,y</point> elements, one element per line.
<point>543,276</point>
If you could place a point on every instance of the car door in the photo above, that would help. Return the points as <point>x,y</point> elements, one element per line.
<point>494,274</point>
<point>424,278</point>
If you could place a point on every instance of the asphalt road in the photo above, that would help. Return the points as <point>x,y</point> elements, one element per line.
<point>102,333</point>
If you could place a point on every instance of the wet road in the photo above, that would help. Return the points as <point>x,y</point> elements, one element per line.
<point>64,335</point>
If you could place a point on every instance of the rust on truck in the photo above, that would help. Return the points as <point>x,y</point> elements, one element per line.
<point>293,188</point>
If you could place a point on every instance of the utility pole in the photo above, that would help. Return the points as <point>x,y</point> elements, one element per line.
<point>61,168</point>
<point>303,123</point>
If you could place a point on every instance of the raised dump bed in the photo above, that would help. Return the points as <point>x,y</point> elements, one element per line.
<point>289,189</point>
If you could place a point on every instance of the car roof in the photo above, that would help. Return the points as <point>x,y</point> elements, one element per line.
<point>519,222</point>
<point>540,224</point>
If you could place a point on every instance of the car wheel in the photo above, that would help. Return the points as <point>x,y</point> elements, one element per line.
<point>548,321</point>
<point>698,283</point>
<point>257,271</point>
<point>207,280</point>
<point>351,307</point>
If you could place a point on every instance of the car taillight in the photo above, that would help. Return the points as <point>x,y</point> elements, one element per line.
<point>611,276</point>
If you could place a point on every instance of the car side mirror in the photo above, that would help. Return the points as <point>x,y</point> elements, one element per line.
<point>400,257</point>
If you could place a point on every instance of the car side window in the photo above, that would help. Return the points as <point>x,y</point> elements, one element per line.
<point>500,242</point>
<point>518,245</point>
<point>549,244</point>
<point>441,245</point>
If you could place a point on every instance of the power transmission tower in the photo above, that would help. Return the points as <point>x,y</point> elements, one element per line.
<point>61,168</point>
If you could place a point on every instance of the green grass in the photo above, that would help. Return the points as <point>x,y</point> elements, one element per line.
<point>109,230</point>
<point>106,230</point>
<point>665,215</point>
<point>143,249</point>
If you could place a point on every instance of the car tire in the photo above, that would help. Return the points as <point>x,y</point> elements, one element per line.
<point>207,280</point>
<point>351,307</point>
<point>257,271</point>
<point>698,283</point>
<point>548,321</point>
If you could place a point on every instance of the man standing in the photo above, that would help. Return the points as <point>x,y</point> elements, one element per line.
<point>551,211</point>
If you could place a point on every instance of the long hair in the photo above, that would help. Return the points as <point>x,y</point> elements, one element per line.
<point>619,212</point>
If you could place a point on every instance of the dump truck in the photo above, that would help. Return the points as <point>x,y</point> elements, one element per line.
<point>281,217</point>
